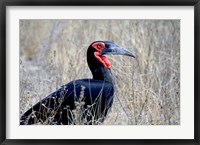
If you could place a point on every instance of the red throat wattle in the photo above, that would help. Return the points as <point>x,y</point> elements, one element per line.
<point>103,59</point>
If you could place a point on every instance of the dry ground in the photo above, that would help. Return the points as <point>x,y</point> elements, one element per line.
<point>53,52</point>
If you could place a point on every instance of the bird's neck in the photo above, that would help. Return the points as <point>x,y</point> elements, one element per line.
<point>102,73</point>
<point>99,71</point>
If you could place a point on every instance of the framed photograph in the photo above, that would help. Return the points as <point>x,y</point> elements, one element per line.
<point>93,72</point>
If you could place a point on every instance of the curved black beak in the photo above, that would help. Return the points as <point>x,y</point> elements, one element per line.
<point>112,48</point>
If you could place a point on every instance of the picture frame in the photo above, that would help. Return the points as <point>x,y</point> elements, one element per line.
<point>5,3</point>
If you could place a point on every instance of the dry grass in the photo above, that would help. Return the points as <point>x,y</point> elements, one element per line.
<point>53,52</point>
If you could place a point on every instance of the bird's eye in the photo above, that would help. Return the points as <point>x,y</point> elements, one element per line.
<point>99,45</point>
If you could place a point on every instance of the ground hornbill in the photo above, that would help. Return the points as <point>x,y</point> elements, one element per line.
<point>84,101</point>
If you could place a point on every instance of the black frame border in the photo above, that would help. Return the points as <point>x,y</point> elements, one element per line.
<point>5,3</point>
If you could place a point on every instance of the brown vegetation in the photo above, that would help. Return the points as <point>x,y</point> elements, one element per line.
<point>53,52</point>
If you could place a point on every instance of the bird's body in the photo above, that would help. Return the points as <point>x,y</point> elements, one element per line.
<point>64,100</point>
<point>92,98</point>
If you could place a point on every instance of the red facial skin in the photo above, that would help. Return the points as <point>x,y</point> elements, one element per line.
<point>99,46</point>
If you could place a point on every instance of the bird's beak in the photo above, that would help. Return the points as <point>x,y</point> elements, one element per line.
<point>117,50</point>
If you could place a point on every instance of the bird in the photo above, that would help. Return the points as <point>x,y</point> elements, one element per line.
<point>86,101</point>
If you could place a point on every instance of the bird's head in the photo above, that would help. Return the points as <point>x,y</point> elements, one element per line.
<point>102,48</point>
